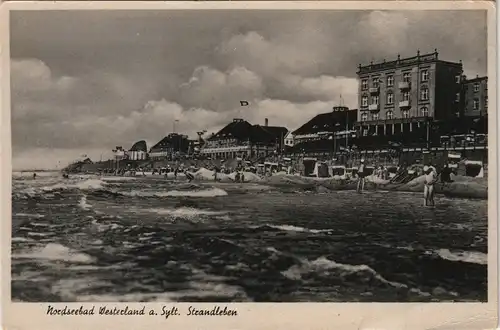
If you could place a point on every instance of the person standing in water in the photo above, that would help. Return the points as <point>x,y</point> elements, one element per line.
<point>361,177</point>
<point>430,181</point>
<point>34,176</point>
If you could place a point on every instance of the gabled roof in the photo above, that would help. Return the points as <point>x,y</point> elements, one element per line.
<point>165,142</point>
<point>277,131</point>
<point>260,135</point>
<point>328,122</point>
<point>244,131</point>
<point>237,129</point>
<point>170,140</point>
<point>139,146</point>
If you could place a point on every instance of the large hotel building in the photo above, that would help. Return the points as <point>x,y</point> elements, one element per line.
<point>475,93</point>
<point>396,97</point>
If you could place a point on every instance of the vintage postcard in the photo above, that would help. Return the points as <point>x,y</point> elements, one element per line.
<point>216,165</point>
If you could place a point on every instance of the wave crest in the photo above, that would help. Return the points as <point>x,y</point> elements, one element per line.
<point>56,252</point>
<point>212,192</point>
<point>323,266</point>
<point>473,257</point>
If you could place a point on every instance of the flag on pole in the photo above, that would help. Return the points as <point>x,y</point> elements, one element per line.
<point>244,103</point>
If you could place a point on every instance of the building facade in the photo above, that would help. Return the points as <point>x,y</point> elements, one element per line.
<point>475,93</point>
<point>326,132</point>
<point>139,151</point>
<point>398,96</point>
<point>289,140</point>
<point>170,146</point>
<point>242,139</point>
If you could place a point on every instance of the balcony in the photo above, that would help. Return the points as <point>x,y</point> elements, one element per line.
<point>403,85</point>
<point>374,90</point>
<point>374,107</point>
<point>404,104</point>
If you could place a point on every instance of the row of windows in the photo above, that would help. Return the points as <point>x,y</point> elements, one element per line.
<point>424,76</point>
<point>390,114</point>
<point>424,96</point>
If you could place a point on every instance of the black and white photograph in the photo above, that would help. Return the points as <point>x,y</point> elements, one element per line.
<point>249,155</point>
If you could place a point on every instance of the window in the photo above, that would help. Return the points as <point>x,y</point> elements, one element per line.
<point>365,132</point>
<point>375,99</point>
<point>364,117</point>
<point>375,82</point>
<point>407,77</point>
<point>476,104</point>
<point>390,98</point>
<point>424,93</point>
<point>364,101</point>
<point>406,113</point>
<point>425,111</point>
<point>424,75</point>
<point>457,97</point>
<point>390,81</point>
<point>389,114</point>
<point>406,96</point>
<point>375,116</point>
<point>364,84</point>
<point>486,102</point>
<point>476,87</point>
<point>457,79</point>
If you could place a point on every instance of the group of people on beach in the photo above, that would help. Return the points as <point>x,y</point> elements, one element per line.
<point>430,180</point>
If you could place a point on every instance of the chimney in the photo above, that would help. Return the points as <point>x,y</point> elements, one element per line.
<point>266,122</point>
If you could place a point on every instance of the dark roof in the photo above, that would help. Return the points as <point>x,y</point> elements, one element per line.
<point>139,146</point>
<point>164,143</point>
<point>238,129</point>
<point>169,141</point>
<point>328,122</point>
<point>278,132</point>
<point>244,131</point>
<point>259,134</point>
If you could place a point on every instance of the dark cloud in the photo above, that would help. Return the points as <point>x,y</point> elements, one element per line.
<point>92,80</point>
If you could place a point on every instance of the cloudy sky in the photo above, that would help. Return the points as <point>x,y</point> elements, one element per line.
<point>85,82</point>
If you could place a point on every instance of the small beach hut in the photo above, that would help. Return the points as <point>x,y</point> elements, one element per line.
<point>472,168</point>
<point>309,166</point>
<point>321,170</point>
<point>339,170</point>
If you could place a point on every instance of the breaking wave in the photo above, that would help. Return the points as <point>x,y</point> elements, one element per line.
<point>55,252</point>
<point>100,187</point>
<point>29,215</point>
<point>212,192</point>
<point>299,229</point>
<point>89,184</point>
<point>325,267</point>
<point>184,212</point>
<point>473,257</point>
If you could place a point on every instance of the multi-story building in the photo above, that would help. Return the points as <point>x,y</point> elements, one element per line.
<point>326,132</point>
<point>475,92</point>
<point>242,139</point>
<point>400,96</point>
<point>169,146</point>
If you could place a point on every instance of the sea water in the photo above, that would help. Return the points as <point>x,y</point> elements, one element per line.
<point>92,238</point>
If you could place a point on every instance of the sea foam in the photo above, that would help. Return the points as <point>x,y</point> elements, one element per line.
<point>56,252</point>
